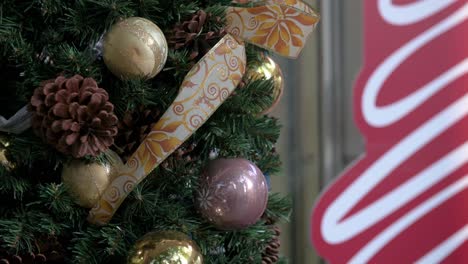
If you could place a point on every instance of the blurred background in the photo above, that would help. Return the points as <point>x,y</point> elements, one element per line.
<point>319,137</point>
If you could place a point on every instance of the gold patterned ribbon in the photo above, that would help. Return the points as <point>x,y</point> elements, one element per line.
<point>204,89</point>
<point>282,26</point>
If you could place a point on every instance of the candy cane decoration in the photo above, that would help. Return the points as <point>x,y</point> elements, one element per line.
<point>404,200</point>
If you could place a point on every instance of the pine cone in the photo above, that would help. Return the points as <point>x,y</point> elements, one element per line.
<point>74,115</point>
<point>189,35</point>
<point>27,259</point>
<point>185,151</point>
<point>271,254</point>
<point>133,129</point>
<point>51,250</point>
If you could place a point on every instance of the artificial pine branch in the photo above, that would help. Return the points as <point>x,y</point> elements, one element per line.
<point>68,60</point>
<point>13,185</point>
<point>148,8</point>
<point>87,20</point>
<point>279,208</point>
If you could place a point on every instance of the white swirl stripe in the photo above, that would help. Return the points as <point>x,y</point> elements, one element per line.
<point>457,157</point>
<point>385,116</point>
<point>335,231</point>
<point>451,244</point>
<point>411,13</point>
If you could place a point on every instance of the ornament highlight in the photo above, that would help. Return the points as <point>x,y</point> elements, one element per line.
<point>165,247</point>
<point>233,193</point>
<point>268,69</point>
<point>86,182</point>
<point>135,48</point>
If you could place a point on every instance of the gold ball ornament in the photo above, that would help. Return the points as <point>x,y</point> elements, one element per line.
<point>135,48</point>
<point>4,160</point>
<point>165,247</point>
<point>86,181</point>
<point>268,69</point>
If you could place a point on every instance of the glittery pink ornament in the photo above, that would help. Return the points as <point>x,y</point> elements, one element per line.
<point>233,193</point>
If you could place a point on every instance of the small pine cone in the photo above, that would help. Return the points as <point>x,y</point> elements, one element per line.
<point>74,115</point>
<point>190,35</point>
<point>133,129</point>
<point>184,151</point>
<point>45,245</point>
<point>272,250</point>
<point>26,259</point>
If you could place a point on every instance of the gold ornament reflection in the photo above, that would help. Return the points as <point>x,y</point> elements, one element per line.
<point>135,48</point>
<point>269,70</point>
<point>87,181</point>
<point>4,160</point>
<point>165,247</point>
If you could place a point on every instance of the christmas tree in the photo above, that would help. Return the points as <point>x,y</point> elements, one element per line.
<point>126,142</point>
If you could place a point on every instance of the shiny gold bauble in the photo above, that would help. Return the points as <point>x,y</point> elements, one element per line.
<point>5,161</point>
<point>135,48</point>
<point>268,69</point>
<point>86,182</point>
<point>165,247</point>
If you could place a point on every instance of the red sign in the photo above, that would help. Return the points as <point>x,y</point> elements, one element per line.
<point>406,199</point>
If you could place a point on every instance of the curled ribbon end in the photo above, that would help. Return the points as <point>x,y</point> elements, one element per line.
<point>282,26</point>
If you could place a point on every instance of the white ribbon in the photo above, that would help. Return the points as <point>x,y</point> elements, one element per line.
<point>18,123</point>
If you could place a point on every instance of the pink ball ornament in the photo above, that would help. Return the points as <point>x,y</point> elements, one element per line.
<point>233,193</point>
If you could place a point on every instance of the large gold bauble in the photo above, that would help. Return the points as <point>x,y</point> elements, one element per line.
<point>86,182</point>
<point>135,48</point>
<point>165,247</point>
<point>268,69</point>
<point>4,160</point>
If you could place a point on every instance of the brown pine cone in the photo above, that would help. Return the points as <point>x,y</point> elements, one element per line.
<point>271,254</point>
<point>27,259</point>
<point>74,115</point>
<point>185,151</point>
<point>51,251</point>
<point>133,129</point>
<point>190,35</point>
